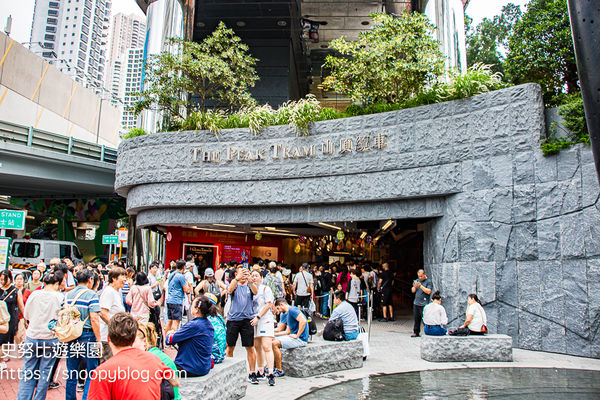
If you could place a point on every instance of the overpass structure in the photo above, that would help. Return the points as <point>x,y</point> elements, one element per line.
<point>40,164</point>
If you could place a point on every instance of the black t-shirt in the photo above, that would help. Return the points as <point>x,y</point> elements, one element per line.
<point>386,277</point>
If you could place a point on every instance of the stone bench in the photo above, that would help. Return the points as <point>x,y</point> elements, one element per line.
<point>225,381</point>
<point>466,348</point>
<point>321,356</point>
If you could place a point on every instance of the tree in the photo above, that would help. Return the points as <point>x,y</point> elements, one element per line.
<point>488,41</point>
<point>387,64</point>
<point>541,50</point>
<point>218,71</point>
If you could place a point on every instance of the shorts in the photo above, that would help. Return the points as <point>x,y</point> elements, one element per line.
<point>288,342</point>
<point>244,329</point>
<point>386,298</point>
<point>174,311</point>
<point>265,327</point>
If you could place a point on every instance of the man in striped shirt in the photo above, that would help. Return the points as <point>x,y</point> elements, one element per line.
<point>89,306</point>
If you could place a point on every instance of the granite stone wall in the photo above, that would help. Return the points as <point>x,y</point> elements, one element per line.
<point>519,229</point>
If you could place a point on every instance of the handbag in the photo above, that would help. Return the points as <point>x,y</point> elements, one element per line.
<point>308,290</point>
<point>484,329</point>
<point>166,390</point>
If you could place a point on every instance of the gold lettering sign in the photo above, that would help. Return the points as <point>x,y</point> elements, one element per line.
<point>360,144</point>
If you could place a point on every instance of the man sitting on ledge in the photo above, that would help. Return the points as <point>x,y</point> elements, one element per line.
<point>346,312</point>
<point>295,334</point>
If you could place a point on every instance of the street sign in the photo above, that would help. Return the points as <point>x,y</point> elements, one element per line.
<point>110,239</point>
<point>123,235</point>
<point>12,219</point>
<point>4,249</point>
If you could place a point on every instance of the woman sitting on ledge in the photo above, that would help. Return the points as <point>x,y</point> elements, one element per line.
<point>434,316</point>
<point>195,339</point>
<point>476,320</point>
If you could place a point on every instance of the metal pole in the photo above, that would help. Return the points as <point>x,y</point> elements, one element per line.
<point>2,232</point>
<point>583,14</point>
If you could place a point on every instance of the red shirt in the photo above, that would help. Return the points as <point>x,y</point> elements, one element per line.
<point>130,374</point>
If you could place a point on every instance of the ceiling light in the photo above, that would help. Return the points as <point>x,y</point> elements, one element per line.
<point>225,225</point>
<point>270,228</point>
<point>240,23</point>
<point>387,224</point>
<point>277,233</point>
<point>282,23</point>
<point>218,230</point>
<point>362,235</point>
<point>200,24</point>
<point>329,226</point>
<point>30,217</point>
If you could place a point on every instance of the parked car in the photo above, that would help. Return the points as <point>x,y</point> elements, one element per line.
<point>26,253</point>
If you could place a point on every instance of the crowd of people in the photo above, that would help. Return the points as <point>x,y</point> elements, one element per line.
<point>103,319</point>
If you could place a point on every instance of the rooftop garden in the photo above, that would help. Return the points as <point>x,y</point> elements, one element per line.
<point>395,65</point>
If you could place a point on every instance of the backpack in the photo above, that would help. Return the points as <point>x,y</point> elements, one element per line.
<point>4,314</point>
<point>334,330</point>
<point>69,325</point>
<point>312,324</point>
<point>270,283</point>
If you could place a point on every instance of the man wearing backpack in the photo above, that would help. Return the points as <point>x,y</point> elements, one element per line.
<point>88,304</point>
<point>177,289</point>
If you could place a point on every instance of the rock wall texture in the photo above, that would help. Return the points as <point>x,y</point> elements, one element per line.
<point>466,348</point>
<point>226,381</point>
<point>519,229</point>
<point>320,357</point>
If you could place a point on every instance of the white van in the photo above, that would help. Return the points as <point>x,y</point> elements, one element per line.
<point>29,252</point>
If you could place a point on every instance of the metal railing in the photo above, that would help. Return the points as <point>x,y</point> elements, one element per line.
<point>37,138</point>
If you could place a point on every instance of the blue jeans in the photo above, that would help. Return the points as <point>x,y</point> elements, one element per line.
<point>35,375</point>
<point>73,366</point>
<point>351,335</point>
<point>434,330</point>
<point>325,305</point>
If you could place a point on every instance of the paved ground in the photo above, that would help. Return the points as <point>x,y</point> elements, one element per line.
<point>392,351</point>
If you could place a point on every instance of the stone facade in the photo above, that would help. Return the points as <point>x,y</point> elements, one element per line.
<point>466,348</point>
<point>320,357</point>
<point>519,229</point>
<point>226,381</point>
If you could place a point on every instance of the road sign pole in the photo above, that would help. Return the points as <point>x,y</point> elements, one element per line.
<point>2,232</point>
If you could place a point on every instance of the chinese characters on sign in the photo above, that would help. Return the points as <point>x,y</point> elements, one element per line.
<point>58,350</point>
<point>359,144</point>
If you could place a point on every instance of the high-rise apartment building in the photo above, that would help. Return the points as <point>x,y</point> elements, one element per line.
<point>71,35</point>
<point>124,68</point>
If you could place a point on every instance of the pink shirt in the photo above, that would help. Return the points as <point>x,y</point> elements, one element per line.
<point>140,298</point>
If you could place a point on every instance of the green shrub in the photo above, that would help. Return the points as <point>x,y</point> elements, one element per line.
<point>573,114</point>
<point>134,133</point>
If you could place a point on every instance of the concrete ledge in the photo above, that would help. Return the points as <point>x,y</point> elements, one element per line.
<point>466,348</point>
<point>225,381</point>
<point>320,357</point>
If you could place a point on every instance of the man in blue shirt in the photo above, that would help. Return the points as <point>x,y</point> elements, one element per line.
<point>346,312</point>
<point>294,335</point>
<point>86,301</point>
<point>177,288</point>
<point>240,314</point>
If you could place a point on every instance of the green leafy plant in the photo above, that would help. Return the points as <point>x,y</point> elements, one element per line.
<point>478,79</point>
<point>134,133</point>
<point>219,70</point>
<point>573,114</point>
<point>389,63</point>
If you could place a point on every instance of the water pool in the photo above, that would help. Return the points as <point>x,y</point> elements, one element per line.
<point>470,383</point>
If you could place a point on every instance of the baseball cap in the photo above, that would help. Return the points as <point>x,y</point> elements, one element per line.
<point>213,299</point>
<point>209,272</point>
